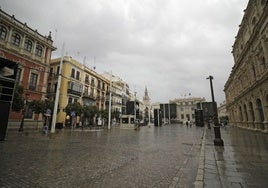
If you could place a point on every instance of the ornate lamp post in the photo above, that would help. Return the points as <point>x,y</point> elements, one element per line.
<point>23,112</point>
<point>217,141</point>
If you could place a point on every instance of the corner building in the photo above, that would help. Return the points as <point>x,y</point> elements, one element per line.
<point>32,52</point>
<point>78,84</point>
<point>246,89</point>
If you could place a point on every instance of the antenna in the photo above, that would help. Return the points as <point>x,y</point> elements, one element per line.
<point>94,66</point>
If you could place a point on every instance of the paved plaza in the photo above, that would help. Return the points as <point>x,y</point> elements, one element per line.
<point>168,156</point>
<point>151,157</point>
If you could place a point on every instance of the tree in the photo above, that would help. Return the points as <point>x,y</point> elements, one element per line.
<point>18,100</point>
<point>89,113</point>
<point>41,106</point>
<point>104,114</point>
<point>77,107</point>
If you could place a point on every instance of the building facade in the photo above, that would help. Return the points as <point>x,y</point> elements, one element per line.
<point>186,108</point>
<point>78,84</point>
<point>32,52</point>
<point>120,94</point>
<point>246,89</point>
<point>71,87</point>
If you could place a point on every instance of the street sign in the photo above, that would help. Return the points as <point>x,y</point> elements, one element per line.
<point>48,112</point>
<point>73,113</point>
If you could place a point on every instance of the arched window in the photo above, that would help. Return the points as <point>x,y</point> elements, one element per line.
<point>260,109</point>
<point>240,113</point>
<point>3,32</point>
<point>15,39</point>
<point>254,72</point>
<point>246,112</point>
<point>38,50</point>
<point>251,111</point>
<point>253,21</point>
<point>263,63</point>
<point>28,45</point>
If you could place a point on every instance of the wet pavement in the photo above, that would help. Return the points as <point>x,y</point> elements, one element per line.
<point>169,156</point>
<point>165,156</point>
<point>242,162</point>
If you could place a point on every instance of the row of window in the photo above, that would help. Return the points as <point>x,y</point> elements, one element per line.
<point>16,41</point>
<point>187,116</point>
<point>187,108</point>
<point>249,76</point>
<point>100,84</point>
<point>185,103</point>
<point>245,117</point>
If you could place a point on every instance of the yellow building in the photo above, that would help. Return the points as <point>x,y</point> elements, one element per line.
<point>78,84</point>
<point>95,88</point>
<point>71,87</point>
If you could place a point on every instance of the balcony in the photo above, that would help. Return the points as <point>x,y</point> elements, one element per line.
<point>78,93</point>
<point>74,88</point>
<point>89,96</point>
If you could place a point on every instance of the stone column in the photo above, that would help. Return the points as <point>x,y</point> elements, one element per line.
<point>21,47</point>
<point>265,113</point>
<point>9,37</point>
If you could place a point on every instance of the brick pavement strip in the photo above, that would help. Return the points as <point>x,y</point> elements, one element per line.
<point>150,157</point>
<point>199,180</point>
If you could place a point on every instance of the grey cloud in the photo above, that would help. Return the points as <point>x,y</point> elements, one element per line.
<point>170,46</point>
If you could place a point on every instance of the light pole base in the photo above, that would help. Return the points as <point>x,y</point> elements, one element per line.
<point>218,142</point>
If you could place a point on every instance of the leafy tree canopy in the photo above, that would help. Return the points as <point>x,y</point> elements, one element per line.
<point>18,100</point>
<point>77,107</point>
<point>90,111</point>
<point>39,106</point>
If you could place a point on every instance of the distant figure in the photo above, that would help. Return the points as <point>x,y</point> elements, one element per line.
<point>114,121</point>
<point>190,124</point>
<point>187,123</point>
<point>99,121</point>
<point>45,129</point>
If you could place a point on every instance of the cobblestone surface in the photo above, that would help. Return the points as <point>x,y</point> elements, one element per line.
<point>165,156</point>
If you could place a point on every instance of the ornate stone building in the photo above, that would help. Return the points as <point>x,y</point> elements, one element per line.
<point>32,52</point>
<point>246,89</point>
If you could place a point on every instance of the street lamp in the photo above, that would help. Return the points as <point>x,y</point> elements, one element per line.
<point>23,112</point>
<point>217,141</point>
<point>110,105</point>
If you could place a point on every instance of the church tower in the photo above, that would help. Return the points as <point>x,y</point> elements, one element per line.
<point>146,98</point>
<point>147,108</point>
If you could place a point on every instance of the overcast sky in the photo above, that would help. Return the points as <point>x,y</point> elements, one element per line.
<point>170,46</point>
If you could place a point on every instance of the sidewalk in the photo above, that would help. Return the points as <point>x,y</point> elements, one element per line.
<point>242,162</point>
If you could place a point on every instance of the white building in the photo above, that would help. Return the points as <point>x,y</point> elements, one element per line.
<point>186,107</point>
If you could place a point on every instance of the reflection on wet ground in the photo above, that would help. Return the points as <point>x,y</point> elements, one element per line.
<point>242,162</point>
